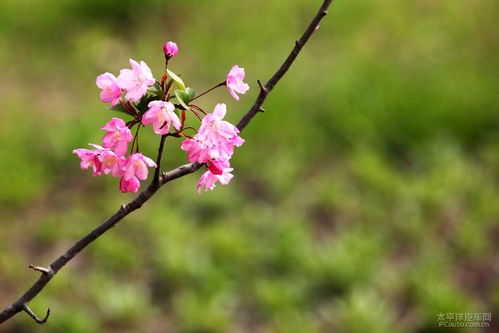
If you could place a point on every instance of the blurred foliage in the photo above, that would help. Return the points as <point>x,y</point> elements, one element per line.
<point>364,199</point>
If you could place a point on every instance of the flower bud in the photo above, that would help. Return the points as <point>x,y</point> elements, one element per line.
<point>171,49</point>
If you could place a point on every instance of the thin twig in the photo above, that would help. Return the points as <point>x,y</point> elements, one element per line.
<point>34,316</point>
<point>40,269</point>
<point>207,91</point>
<point>164,177</point>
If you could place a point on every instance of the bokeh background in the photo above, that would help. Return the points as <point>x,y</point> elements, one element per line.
<point>364,200</point>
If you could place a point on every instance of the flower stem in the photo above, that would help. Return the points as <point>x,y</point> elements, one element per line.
<point>212,88</point>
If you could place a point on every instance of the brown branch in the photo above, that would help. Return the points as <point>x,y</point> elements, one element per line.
<point>158,160</point>
<point>165,177</point>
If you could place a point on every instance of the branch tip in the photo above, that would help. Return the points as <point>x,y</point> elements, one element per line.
<point>34,316</point>
<point>262,87</point>
<point>40,269</point>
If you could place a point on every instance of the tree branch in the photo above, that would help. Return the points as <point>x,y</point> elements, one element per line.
<point>158,160</point>
<point>164,177</point>
<point>299,44</point>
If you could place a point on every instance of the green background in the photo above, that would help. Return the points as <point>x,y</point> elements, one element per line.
<point>364,199</point>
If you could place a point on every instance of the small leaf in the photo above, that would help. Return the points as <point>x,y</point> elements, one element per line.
<point>156,91</point>
<point>143,104</point>
<point>178,95</point>
<point>187,95</point>
<point>119,108</point>
<point>177,79</point>
<point>191,93</point>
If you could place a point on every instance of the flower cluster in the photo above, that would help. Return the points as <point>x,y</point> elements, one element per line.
<point>164,105</point>
<point>214,145</point>
<point>110,158</point>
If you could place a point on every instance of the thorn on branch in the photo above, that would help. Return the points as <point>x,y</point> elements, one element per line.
<point>260,109</point>
<point>324,12</point>
<point>262,87</point>
<point>34,316</point>
<point>43,270</point>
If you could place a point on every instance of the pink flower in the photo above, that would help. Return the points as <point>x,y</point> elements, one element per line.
<point>112,163</point>
<point>161,115</point>
<point>111,92</point>
<point>171,49</point>
<point>208,179</point>
<point>198,152</point>
<point>118,136</point>
<point>130,185</point>
<point>136,166</point>
<point>136,80</point>
<point>215,131</point>
<point>217,166</point>
<point>214,145</point>
<point>234,82</point>
<point>90,159</point>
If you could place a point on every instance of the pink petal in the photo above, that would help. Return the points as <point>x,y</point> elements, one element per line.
<point>129,185</point>
<point>141,171</point>
<point>220,111</point>
<point>149,162</point>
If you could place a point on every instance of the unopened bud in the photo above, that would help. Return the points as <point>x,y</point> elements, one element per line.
<point>171,49</point>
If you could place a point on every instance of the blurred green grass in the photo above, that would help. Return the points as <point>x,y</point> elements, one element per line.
<point>364,200</point>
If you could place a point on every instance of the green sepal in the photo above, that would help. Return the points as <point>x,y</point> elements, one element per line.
<point>119,108</point>
<point>156,86</point>
<point>143,104</point>
<point>156,90</point>
<point>178,81</point>
<point>179,95</point>
<point>189,94</point>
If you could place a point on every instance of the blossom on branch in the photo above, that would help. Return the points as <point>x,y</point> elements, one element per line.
<point>215,139</point>
<point>234,82</point>
<point>129,185</point>
<point>214,145</point>
<point>216,131</point>
<point>161,115</point>
<point>135,168</point>
<point>111,92</point>
<point>208,179</point>
<point>89,159</point>
<point>118,136</point>
<point>112,163</point>
<point>135,81</point>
